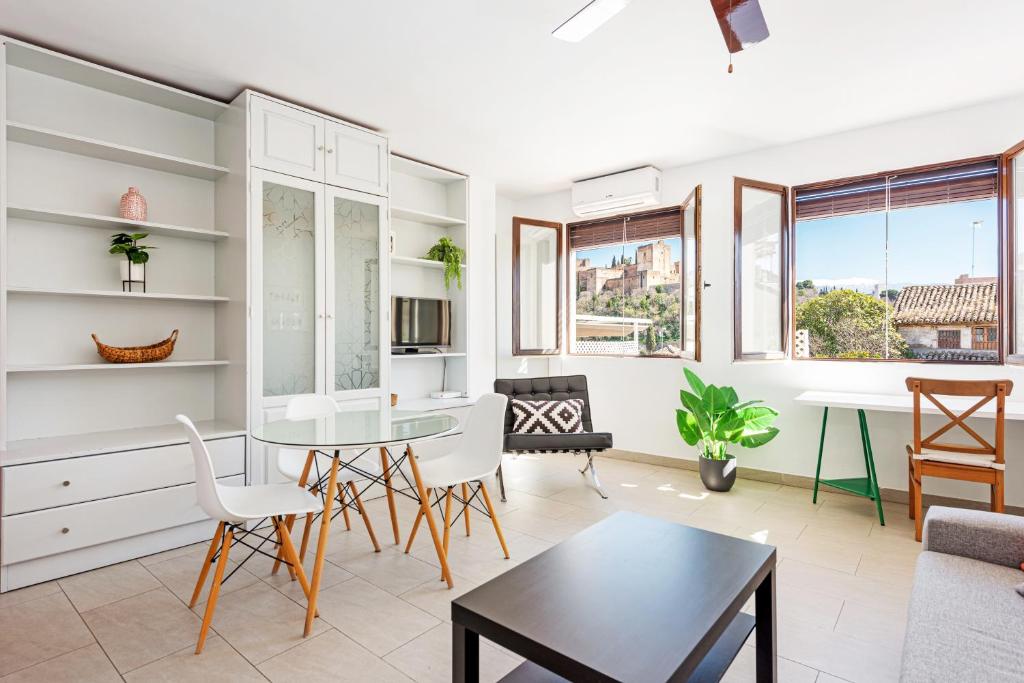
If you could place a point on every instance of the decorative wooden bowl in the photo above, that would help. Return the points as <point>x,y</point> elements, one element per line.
<point>137,354</point>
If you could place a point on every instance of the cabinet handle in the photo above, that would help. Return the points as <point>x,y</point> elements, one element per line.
<point>330,150</point>
<point>320,316</point>
<point>319,148</point>
<point>65,483</point>
<point>65,530</point>
<point>330,316</point>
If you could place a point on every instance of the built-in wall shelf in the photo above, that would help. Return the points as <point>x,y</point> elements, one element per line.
<point>91,220</point>
<point>109,151</point>
<point>114,294</point>
<point>424,217</point>
<point>76,367</point>
<point>410,356</point>
<point>419,262</point>
<point>27,451</point>
<point>75,70</point>
<point>418,169</point>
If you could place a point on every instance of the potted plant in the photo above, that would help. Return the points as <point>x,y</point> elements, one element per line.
<point>712,418</point>
<point>133,267</point>
<point>451,256</point>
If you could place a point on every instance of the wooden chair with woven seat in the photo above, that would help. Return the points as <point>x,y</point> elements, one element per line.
<point>928,457</point>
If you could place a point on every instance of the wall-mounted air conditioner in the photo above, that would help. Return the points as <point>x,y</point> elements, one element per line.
<point>617,192</point>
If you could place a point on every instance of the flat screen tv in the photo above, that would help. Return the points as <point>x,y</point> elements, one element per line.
<point>417,323</point>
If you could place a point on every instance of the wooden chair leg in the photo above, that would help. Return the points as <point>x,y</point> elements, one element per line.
<point>465,505</point>
<point>918,493</point>
<point>997,492</point>
<point>211,603</point>
<point>204,572</point>
<point>415,528</point>
<point>366,517</point>
<point>385,467</point>
<point>447,518</point>
<point>282,530</point>
<point>910,486</point>
<point>494,519</point>
<point>307,530</point>
<point>344,507</point>
<point>288,550</point>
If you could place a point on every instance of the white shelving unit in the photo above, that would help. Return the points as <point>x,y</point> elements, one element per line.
<point>428,203</point>
<point>76,136</point>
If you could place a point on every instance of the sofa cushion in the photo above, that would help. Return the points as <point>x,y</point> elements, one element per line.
<point>966,622</point>
<point>548,417</point>
<point>586,441</point>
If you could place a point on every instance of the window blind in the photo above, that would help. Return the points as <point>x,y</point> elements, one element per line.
<point>633,227</point>
<point>953,183</point>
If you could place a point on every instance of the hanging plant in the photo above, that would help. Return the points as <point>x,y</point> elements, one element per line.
<point>451,256</point>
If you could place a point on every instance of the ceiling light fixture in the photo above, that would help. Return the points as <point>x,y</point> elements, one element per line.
<point>589,19</point>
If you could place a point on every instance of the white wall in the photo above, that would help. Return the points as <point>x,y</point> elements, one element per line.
<point>635,398</point>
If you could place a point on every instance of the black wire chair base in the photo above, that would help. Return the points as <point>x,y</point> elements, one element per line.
<point>240,539</point>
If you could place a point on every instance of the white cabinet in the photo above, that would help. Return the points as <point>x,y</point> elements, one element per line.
<point>287,140</point>
<point>357,159</point>
<point>306,145</point>
<point>320,286</point>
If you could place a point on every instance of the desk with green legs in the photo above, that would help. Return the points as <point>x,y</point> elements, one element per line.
<point>867,486</point>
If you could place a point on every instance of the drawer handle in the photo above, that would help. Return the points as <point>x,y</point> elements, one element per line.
<point>319,148</point>
<point>65,483</point>
<point>65,530</point>
<point>330,150</point>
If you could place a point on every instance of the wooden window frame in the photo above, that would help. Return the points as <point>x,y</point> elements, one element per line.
<point>570,281</point>
<point>1004,258</point>
<point>517,223</point>
<point>785,268</point>
<point>1009,353</point>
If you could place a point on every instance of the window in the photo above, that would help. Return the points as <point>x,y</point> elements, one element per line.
<point>1012,196</point>
<point>903,265</point>
<point>633,283</point>
<point>761,231</point>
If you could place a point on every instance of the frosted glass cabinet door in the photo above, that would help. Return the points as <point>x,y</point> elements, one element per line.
<point>357,268</point>
<point>291,229</point>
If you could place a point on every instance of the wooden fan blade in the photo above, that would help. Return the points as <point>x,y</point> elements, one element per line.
<point>742,22</point>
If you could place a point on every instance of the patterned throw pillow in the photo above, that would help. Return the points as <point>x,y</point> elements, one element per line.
<point>548,417</point>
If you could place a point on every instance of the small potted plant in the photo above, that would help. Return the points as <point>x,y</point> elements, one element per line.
<point>712,418</point>
<point>133,267</point>
<point>451,256</point>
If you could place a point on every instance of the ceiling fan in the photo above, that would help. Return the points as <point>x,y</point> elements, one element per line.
<point>742,22</point>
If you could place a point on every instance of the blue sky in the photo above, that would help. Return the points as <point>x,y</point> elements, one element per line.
<point>602,256</point>
<point>927,245</point>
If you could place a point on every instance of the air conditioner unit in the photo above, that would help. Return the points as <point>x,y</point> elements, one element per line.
<point>617,192</point>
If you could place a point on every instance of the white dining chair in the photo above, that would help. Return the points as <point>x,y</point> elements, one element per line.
<point>475,456</point>
<point>292,464</point>
<point>235,506</point>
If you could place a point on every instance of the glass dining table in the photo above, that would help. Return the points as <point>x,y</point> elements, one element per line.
<point>388,430</point>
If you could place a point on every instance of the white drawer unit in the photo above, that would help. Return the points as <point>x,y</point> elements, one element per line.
<point>48,532</point>
<point>307,145</point>
<point>55,483</point>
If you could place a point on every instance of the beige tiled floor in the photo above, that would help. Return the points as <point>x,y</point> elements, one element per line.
<point>843,585</point>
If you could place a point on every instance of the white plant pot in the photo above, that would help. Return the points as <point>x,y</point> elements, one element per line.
<point>137,272</point>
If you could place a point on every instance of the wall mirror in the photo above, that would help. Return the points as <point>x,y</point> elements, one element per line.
<point>536,287</point>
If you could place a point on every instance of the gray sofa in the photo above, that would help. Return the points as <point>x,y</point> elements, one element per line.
<point>966,620</point>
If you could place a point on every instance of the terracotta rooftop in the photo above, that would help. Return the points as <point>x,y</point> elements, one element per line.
<point>946,304</point>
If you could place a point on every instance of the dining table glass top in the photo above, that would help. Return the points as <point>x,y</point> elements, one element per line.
<point>351,429</point>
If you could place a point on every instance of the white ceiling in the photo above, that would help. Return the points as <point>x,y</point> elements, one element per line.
<point>482,87</point>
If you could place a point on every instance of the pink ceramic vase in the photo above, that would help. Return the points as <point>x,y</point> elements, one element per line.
<point>133,205</point>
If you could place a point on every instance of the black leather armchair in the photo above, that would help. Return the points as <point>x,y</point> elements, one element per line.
<point>552,389</point>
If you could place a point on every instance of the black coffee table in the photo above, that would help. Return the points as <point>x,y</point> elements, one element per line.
<point>631,598</point>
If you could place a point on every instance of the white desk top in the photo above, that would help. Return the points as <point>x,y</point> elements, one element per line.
<point>904,403</point>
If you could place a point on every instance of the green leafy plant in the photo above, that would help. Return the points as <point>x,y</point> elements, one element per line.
<point>128,244</point>
<point>713,417</point>
<point>451,256</point>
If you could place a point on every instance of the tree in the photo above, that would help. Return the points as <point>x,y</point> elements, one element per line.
<point>650,341</point>
<point>805,284</point>
<point>613,262</point>
<point>848,324</point>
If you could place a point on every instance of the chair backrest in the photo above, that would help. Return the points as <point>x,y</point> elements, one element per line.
<point>984,390</point>
<point>308,406</point>
<point>544,389</point>
<point>482,437</point>
<point>206,480</point>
